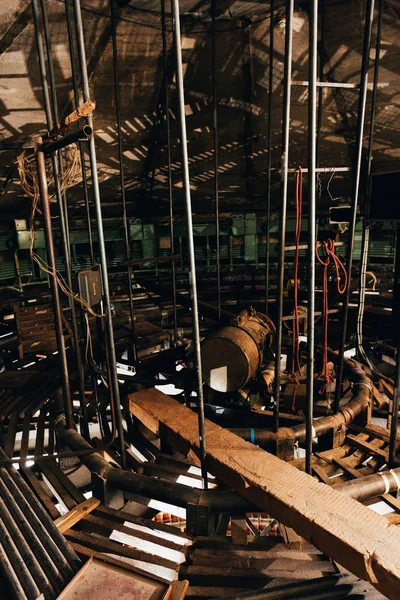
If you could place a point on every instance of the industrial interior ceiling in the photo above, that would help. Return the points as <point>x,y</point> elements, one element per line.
<point>199,299</point>
<point>242,65</point>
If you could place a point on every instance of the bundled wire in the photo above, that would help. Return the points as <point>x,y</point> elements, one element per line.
<point>30,185</point>
<point>72,174</point>
<point>296,366</point>
<point>330,259</point>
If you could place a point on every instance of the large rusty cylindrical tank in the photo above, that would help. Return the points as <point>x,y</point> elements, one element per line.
<point>235,353</point>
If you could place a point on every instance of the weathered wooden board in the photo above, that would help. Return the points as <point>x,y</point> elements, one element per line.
<point>350,533</point>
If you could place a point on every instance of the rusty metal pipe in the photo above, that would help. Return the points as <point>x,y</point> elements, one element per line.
<point>25,551</point>
<point>379,484</point>
<point>55,580</point>
<point>149,487</point>
<point>77,136</point>
<point>44,197</point>
<point>11,576</point>
<point>234,354</point>
<point>42,516</point>
<point>18,565</point>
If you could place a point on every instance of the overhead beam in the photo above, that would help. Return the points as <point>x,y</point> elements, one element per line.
<point>350,533</point>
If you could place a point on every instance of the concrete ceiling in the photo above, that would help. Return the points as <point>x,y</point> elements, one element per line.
<point>242,66</point>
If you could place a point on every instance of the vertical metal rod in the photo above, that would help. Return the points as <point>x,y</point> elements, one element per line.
<point>269,159</point>
<point>190,238</point>
<point>40,160</point>
<point>375,89</point>
<point>284,194</point>
<point>68,18</point>
<point>121,172</point>
<point>396,395</point>
<point>170,191</point>
<point>42,180</point>
<point>366,229</point>
<point>312,157</point>
<point>62,203</point>
<point>355,194</point>
<point>215,130</point>
<point>321,78</point>
<point>100,232</point>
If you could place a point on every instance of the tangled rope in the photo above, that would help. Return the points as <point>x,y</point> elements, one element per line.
<point>331,258</point>
<point>29,182</point>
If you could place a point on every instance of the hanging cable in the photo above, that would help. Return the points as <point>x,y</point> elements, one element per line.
<point>296,366</point>
<point>331,259</point>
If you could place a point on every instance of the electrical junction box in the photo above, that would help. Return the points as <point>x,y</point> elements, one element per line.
<point>90,285</point>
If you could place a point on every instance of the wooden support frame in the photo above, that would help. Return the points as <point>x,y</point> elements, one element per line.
<point>351,534</point>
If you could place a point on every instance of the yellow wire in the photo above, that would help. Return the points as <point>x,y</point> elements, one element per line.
<point>28,168</point>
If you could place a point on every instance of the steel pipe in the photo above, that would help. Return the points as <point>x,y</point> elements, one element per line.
<point>355,192</point>
<point>269,147</point>
<point>396,396</point>
<point>366,228</point>
<point>18,565</point>
<point>50,102</point>
<point>121,173</point>
<point>312,163</point>
<point>301,589</point>
<point>170,190</point>
<point>46,538</point>
<point>55,580</point>
<point>371,486</point>
<point>113,376</point>
<point>190,237</point>
<point>43,192</point>
<point>11,576</point>
<point>28,556</point>
<point>150,487</point>
<point>284,194</point>
<point>69,19</point>
<point>82,134</point>
<point>215,132</point>
<point>42,516</point>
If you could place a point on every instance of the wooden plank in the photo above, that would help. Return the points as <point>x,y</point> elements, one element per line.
<point>102,544</point>
<point>320,473</point>
<point>341,527</point>
<point>40,492</point>
<point>25,434</point>
<point>39,446</point>
<point>122,515</point>
<point>376,431</point>
<point>99,580</point>
<point>76,514</point>
<point>106,527</point>
<point>59,491</point>
<point>63,479</point>
<point>11,433</point>
<point>367,447</point>
<point>178,590</point>
<point>347,468</point>
<point>83,551</point>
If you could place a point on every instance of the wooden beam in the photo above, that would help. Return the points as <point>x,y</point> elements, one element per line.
<point>367,447</point>
<point>348,532</point>
<point>76,514</point>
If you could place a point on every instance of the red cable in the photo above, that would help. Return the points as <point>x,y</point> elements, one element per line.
<point>329,248</point>
<point>296,366</point>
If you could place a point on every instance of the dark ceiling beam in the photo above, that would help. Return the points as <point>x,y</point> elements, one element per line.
<point>18,25</point>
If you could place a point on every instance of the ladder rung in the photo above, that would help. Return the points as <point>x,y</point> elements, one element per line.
<point>317,170</point>
<point>328,84</point>
<point>305,246</point>
<point>324,170</point>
